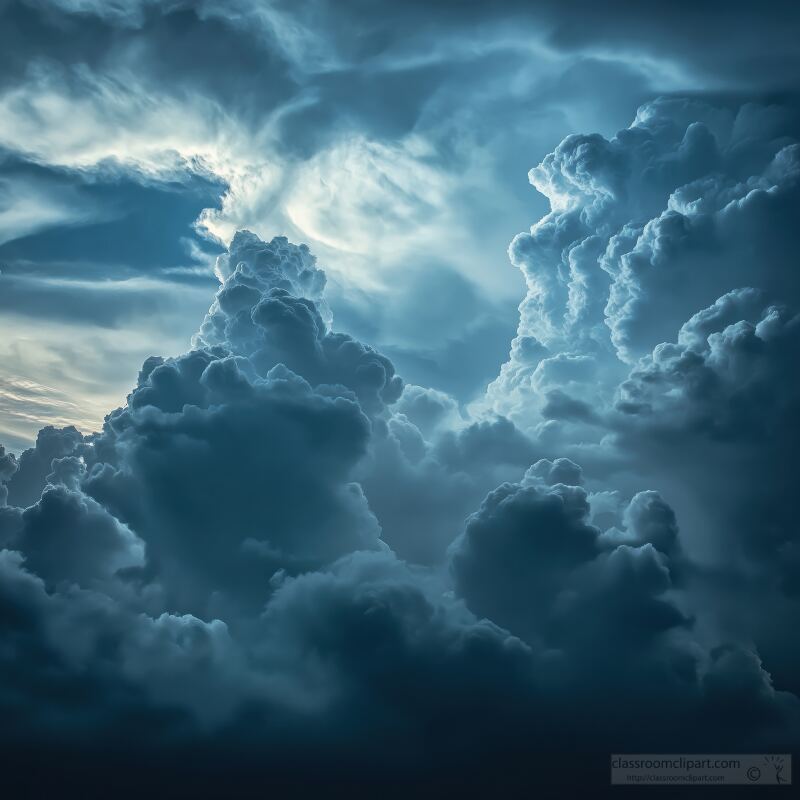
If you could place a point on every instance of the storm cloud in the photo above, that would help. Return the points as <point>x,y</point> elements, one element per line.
<point>347,530</point>
<point>227,549</point>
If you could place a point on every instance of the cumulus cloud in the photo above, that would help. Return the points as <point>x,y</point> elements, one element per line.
<point>717,405</point>
<point>646,229</point>
<point>279,454</point>
<point>258,313</point>
<point>25,484</point>
<point>273,540</point>
<point>65,536</point>
<point>657,332</point>
<point>277,558</point>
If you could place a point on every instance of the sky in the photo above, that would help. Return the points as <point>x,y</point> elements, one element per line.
<point>395,394</point>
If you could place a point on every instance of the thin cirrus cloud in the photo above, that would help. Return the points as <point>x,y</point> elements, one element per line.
<point>23,405</point>
<point>30,206</point>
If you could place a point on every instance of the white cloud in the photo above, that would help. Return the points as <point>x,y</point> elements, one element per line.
<point>78,119</point>
<point>129,13</point>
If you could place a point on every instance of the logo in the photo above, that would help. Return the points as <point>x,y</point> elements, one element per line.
<point>777,763</point>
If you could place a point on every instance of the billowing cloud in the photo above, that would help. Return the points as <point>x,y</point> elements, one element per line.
<point>25,484</point>
<point>273,540</point>
<point>657,332</point>
<point>670,214</point>
<point>265,310</point>
<point>276,559</point>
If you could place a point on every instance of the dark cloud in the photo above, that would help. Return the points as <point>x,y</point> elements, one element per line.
<point>277,565</point>
<point>718,39</point>
<point>723,41</point>
<point>8,466</point>
<point>189,46</point>
<point>208,572</point>
<point>66,536</point>
<point>518,549</point>
<point>656,335</point>
<point>714,412</point>
<point>25,484</point>
<point>279,454</point>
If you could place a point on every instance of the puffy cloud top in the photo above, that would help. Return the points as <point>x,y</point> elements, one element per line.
<point>646,228</point>
<point>270,309</point>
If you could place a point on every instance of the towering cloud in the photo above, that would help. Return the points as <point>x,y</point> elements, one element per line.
<point>646,229</point>
<point>658,330</point>
<point>278,556</point>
